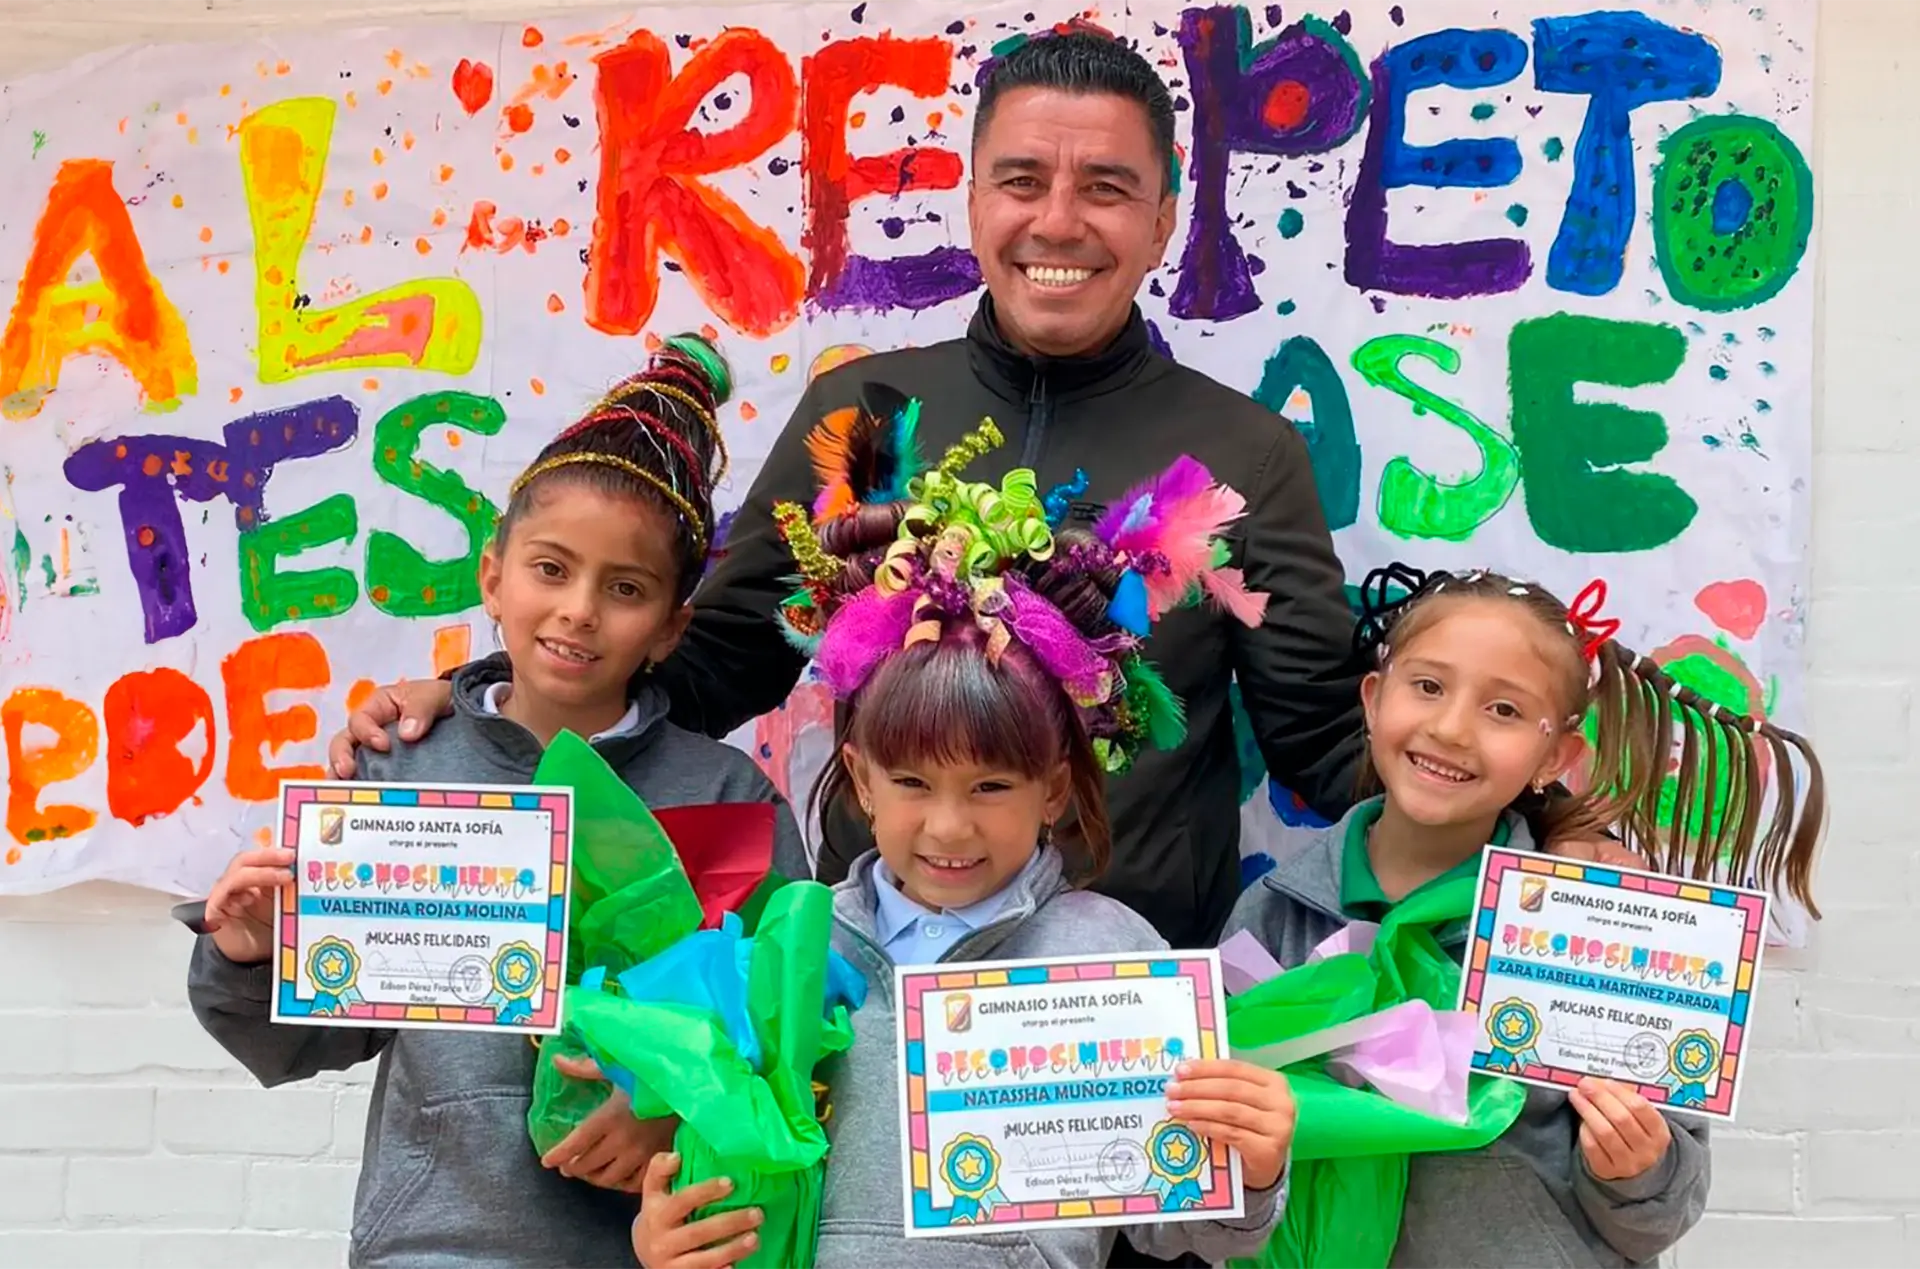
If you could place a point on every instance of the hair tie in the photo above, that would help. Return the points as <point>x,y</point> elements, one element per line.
<point>1380,609</point>
<point>708,358</point>
<point>676,370</point>
<point>654,426</point>
<point>1584,613</point>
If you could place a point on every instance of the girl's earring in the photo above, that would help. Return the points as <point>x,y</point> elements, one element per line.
<point>1046,833</point>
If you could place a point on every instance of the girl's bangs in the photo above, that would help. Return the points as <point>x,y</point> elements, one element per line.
<point>943,703</point>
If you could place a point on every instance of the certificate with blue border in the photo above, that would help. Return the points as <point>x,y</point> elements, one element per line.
<point>1577,969</point>
<point>432,906</point>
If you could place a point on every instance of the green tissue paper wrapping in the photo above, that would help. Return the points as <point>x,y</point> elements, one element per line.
<point>1347,1179</point>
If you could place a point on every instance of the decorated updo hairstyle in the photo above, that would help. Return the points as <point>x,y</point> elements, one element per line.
<point>654,436</point>
<point>960,623</point>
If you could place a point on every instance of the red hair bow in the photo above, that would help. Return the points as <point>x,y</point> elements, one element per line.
<point>1584,618</point>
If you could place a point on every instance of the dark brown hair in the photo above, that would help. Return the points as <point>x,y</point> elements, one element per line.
<point>1642,717</point>
<point>661,421</point>
<point>943,701</point>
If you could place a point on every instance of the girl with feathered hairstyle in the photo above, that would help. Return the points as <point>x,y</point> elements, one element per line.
<point>992,674</point>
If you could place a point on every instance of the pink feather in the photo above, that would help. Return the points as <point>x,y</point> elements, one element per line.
<point>1127,525</point>
<point>865,631</point>
<point>1176,516</point>
<point>1184,538</point>
<point>1228,588</point>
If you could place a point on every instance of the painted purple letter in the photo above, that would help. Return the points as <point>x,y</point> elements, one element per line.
<point>1301,92</point>
<point>152,471</point>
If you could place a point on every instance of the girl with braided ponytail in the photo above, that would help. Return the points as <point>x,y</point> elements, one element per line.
<point>1479,701</point>
<point>991,672</point>
<point>587,579</point>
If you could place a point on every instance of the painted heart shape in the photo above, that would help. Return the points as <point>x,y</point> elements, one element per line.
<point>473,85</point>
<point>1737,607</point>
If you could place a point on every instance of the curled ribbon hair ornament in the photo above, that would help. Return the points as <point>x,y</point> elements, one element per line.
<point>995,524</point>
<point>1585,620</point>
<point>965,551</point>
<point>1380,607</point>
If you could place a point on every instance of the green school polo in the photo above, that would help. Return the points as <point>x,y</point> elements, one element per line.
<point>1361,898</point>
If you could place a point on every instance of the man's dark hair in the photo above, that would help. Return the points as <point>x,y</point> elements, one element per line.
<point>1082,62</point>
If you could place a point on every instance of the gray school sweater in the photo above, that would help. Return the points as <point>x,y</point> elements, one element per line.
<point>1528,1198</point>
<point>449,1178</point>
<point>861,1215</point>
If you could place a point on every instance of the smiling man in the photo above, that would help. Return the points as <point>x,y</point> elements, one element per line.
<point>1071,205</point>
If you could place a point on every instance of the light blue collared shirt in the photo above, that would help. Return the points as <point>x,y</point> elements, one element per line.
<point>915,935</point>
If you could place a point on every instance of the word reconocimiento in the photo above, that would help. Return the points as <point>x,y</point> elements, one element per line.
<point>1646,962</point>
<point>1085,1057</point>
<point>456,880</point>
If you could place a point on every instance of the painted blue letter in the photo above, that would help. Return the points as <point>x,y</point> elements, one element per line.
<point>1620,60</point>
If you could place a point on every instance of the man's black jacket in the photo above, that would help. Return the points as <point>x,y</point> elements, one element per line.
<point>1122,415</point>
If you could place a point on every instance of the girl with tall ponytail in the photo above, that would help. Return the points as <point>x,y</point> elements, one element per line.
<point>587,578</point>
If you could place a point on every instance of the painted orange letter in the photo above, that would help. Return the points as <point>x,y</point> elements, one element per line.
<point>31,769</point>
<point>123,314</point>
<point>148,714</point>
<point>650,197</point>
<point>272,663</point>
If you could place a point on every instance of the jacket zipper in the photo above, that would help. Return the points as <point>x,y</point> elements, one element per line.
<point>1039,414</point>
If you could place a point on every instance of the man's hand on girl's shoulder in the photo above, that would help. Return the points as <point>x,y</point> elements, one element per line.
<point>416,704</point>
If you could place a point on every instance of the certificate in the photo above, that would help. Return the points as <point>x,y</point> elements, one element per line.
<point>432,906</point>
<point>1578,969</point>
<point>1034,1093</point>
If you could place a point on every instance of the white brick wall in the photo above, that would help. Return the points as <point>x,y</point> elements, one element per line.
<point>127,1139</point>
